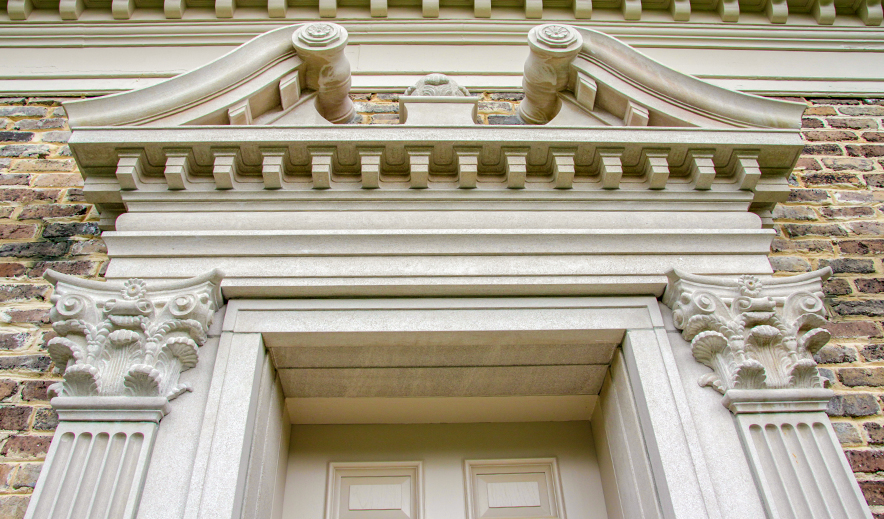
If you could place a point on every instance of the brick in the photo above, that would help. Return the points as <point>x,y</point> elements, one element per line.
<point>14,417</point>
<point>25,150</point>
<point>74,195</point>
<point>14,179</point>
<point>844,164</point>
<point>836,287</point>
<point>31,363</point>
<point>388,97</point>
<point>26,447</point>
<point>797,229</point>
<point>64,136</point>
<point>74,268</point>
<point>827,136</point>
<point>492,106</point>
<point>871,460</point>
<point>835,354</point>
<point>812,122</point>
<point>45,419</point>
<point>26,476</point>
<point>875,432</point>
<point>847,433</point>
<point>504,119</point>
<point>822,149</point>
<point>21,292</point>
<point>789,264</point>
<point>17,231</point>
<point>873,136</point>
<point>377,108</point>
<point>873,228</point>
<point>59,112</point>
<point>41,124</point>
<point>6,470</point>
<point>847,110</point>
<point>855,377</point>
<point>874,180</point>
<point>840,213</point>
<point>820,110</point>
<point>13,341</point>
<point>6,136</point>
<point>22,111</point>
<point>855,329</point>
<point>865,150</point>
<point>808,163</point>
<point>853,404</point>
<point>32,316</point>
<point>58,180</point>
<point>507,96</point>
<point>36,390</point>
<point>853,123</point>
<point>849,266</point>
<point>808,195</point>
<point>869,246</point>
<point>828,377</point>
<point>64,151</point>
<point>40,165</point>
<point>8,387</point>
<point>13,100</point>
<point>13,506</point>
<point>66,230</point>
<point>870,308</point>
<point>11,270</point>
<point>36,212</point>
<point>360,97</point>
<point>384,119</point>
<point>870,286</point>
<point>787,212</point>
<point>873,352</point>
<point>783,245</point>
<point>27,195</point>
<point>88,247</point>
<point>34,249</point>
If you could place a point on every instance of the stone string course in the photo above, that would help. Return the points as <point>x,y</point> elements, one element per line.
<point>834,217</point>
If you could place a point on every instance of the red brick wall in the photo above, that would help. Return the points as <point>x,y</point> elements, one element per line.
<point>834,217</point>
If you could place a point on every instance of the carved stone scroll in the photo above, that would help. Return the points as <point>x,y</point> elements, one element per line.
<point>321,45</point>
<point>546,70</point>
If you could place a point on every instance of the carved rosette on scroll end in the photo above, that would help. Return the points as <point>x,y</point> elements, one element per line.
<point>321,46</point>
<point>758,337</point>
<point>128,340</point>
<point>553,48</point>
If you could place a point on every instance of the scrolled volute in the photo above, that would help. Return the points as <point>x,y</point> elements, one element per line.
<point>128,339</point>
<point>753,334</point>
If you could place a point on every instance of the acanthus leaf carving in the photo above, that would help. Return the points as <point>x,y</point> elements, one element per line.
<point>128,339</point>
<point>752,334</point>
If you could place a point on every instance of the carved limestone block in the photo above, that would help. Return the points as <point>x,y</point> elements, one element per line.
<point>321,45</point>
<point>128,339</point>
<point>754,335</point>
<point>547,69</point>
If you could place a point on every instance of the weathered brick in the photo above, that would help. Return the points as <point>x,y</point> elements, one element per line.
<point>844,164</point>
<point>6,471</point>
<point>866,460</point>
<point>384,119</point>
<point>31,363</point>
<point>13,341</point>
<point>74,195</point>
<point>39,165</point>
<point>64,136</point>
<point>88,247</point>
<point>377,108</point>
<point>854,329</point>
<point>507,96</point>
<point>22,111</point>
<point>34,249</point>
<point>20,292</point>
<point>11,270</point>
<point>852,110</point>
<point>820,110</point>
<point>870,308</point>
<point>14,417</point>
<point>26,447</point>
<point>495,107</point>
<point>853,404</point>
<point>812,122</point>
<point>46,101</point>
<point>17,231</point>
<point>388,97</point>
<point>13,506</point>
<point>865,150</point>
<point>841,213</point>
<point>25,150</point>
<point>35,389</point>
<point>74,268</point>
<point>847,433</point>
<point>28,195</point>
<point>835,354</point>
<point>828,135</point>
<point>870,286</point>
<point>59,112</point>
<point>26,476</point>
<point>873,228</point>
<point>854,377</point>
<point>852,197</point>
<point>14,179</point>
<point>808,195</point>
<point>849,266</point>
<point>798,229</point>
<point>789,212</point>
<point>873,136</point>
<point>13,100</point>
<point>36,212</point>
<point>66,230</point>
<point>789,264</point>
<point>45,419</point>
<point>873,352</point>
<point>868,246</point>
<point>827,376</point>
<point>853,123</point>
<point>57,180</point>
<point>504,119</point>
<point>31,316</point>
<point>8,387</point>
<point>6,136</point>
<point>823,149</point>
<point>836,287</point>
<point>874,180</point>
<point>39,124</point>
<point>784,245</point>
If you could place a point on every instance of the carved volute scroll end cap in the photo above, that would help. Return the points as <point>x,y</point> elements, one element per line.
<point>436,85</point>
<point>555,40</point>
<point>319,36</point>
<point>740,401</point>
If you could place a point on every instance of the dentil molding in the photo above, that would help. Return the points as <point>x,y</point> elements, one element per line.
<point>127,339</point>
<point>753,334</point>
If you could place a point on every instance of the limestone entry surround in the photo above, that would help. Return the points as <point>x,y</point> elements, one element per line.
<point>415,243</point>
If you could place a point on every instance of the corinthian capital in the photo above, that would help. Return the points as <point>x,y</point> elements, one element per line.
<point>128,339</point>
<point>754,335</point>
